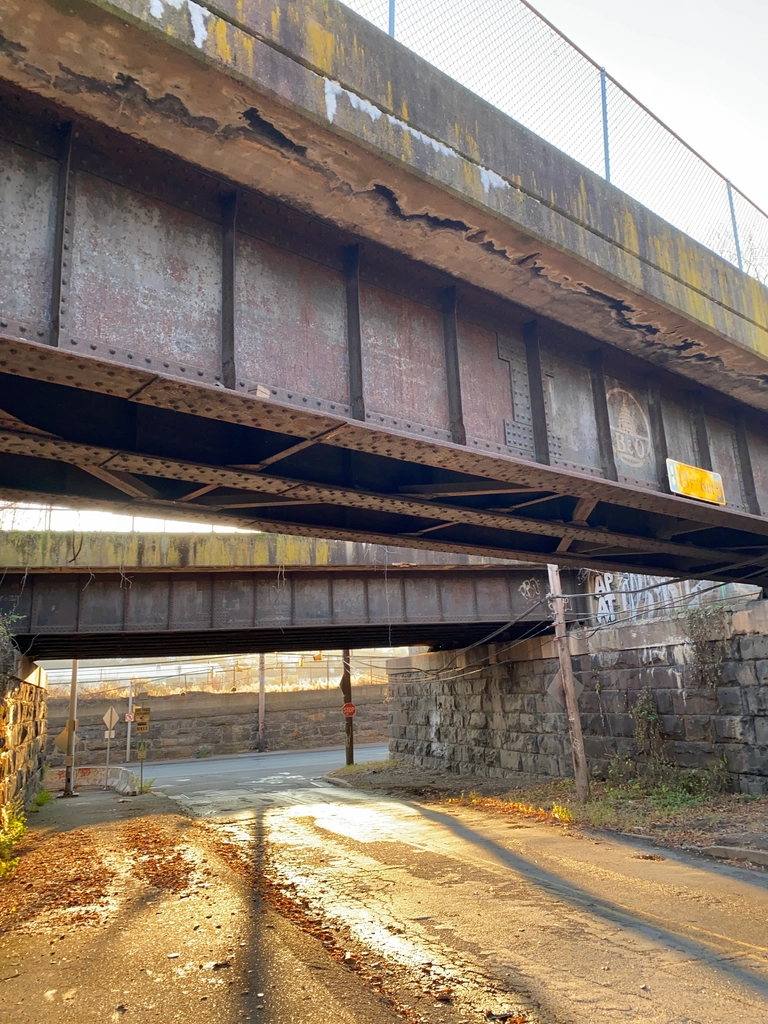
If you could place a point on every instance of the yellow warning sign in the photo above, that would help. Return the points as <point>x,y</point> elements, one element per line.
<point>141,717</point>
<point>694,482</point>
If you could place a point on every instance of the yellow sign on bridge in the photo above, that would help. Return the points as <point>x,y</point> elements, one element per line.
<point>694,482</point>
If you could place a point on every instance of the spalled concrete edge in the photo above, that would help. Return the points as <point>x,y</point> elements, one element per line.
<point>501,208</point>
<point>757,857</point>
<point>489,164</point>
<point>341,783</point>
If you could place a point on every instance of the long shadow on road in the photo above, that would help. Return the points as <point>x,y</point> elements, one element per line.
<point>647,924</point>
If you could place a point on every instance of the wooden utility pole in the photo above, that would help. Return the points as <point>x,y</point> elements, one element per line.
<point>346,691</point>
<point>262,688</point>
<point>569,686</point>
<point>69,780</point>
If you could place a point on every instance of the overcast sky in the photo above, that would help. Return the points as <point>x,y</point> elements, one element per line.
<point>700,65</point>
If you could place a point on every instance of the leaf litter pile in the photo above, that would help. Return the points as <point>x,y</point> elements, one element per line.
<point>81,877</point>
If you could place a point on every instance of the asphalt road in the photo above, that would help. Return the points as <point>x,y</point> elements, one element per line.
<point>284,770</point>
<point>508,916</point>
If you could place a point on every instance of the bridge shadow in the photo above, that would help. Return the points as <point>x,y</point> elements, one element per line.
<point>601,907</point>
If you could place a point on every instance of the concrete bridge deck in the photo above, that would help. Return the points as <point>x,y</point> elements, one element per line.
<point>265,265</point>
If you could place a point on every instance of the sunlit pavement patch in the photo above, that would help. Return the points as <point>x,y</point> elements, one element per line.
<point>495,920</point>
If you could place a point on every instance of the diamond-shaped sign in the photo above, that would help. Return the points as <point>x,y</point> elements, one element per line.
<point>111,718</point>
<point>555,689</point>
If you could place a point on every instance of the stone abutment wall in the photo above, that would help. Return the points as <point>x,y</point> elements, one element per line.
<point>483,714</point>
<point>208,724</point>
<point>22,733</point>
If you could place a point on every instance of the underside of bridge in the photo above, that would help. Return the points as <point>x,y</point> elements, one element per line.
<point>152,614</point>
<point>236,285</point>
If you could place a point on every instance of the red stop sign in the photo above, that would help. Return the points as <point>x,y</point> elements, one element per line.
<point>348,710</point>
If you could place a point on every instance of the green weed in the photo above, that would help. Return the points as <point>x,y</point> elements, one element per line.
<point>13,825</point>
<point>43,797</point>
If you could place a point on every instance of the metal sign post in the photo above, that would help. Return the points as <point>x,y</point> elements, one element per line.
<point>110,720</point>
<point>69,781</point>
<point>141,753</point>
<point>129,719</point>
<point>262,687</point>
<point>141,717</point>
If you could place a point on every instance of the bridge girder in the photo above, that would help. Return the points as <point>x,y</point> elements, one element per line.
<point>175,343</point>
<point>108,614</point>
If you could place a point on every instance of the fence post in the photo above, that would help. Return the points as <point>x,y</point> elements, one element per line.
<point>392,18</point>
<point>604,103</point>
<point>734,224</point>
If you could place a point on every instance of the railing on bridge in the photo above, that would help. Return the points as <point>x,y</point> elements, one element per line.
<point>511,56</point>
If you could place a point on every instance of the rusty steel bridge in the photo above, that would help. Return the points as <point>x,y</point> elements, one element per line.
<point>260,264</point>
<point>139,595</point>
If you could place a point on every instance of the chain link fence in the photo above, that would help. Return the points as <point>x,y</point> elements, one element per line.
<point>508,54</point>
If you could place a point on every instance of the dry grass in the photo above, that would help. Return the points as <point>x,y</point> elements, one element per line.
<point>676,810</point>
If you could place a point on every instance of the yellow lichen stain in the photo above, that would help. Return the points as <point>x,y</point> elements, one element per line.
<point>275,19</point>
<point>627,233</point>
<point>169,30</point>
<point>246,43</point>
<point>472,179</point>
<point>472,147</point>
<point>223,49</point>
<point>404,110</point>
<point>320,46</point>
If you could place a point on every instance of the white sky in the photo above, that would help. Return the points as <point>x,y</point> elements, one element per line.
<point>700,65</point>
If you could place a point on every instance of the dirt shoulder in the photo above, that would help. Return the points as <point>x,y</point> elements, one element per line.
<point>730,827</point>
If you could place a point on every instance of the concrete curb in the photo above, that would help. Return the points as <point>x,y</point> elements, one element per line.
<point>341,783</point>
<point>758,857</point>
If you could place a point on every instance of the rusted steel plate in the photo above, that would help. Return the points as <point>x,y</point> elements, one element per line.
<point>386,600</point>
<point>677,425</point>
<point>148,604</point>
<point>485,384</point>
<point>164,603</point>
<point>458,600</point>
<point>759,447</point>
<point>145,276</point>
<point>722,446</point>
<point>191,602</point>
<point>27,208</point>
<point>55,607</point>
<point>234,603</point>
<point>274,601</point>
<point>403,359</point>
<point>311,601</point>
<point>572,429</point>
<point>350,600</point>
<point>290,322</point>
<point>493,593</point>
<point>102,606</point>
<point>631,435</point>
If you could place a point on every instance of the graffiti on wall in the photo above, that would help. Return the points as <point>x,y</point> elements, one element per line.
<point>630,597</point>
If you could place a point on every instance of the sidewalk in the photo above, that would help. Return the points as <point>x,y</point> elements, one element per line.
<point>122,909</point>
